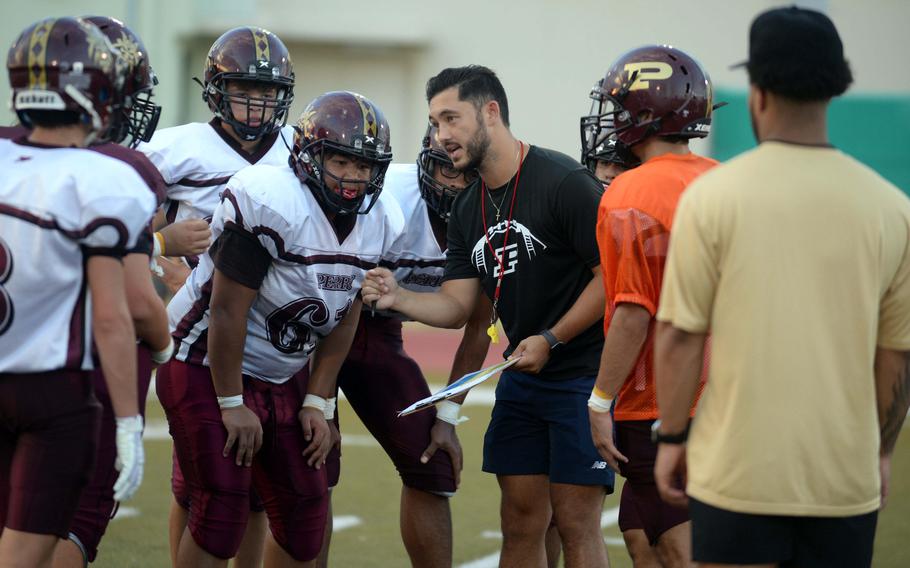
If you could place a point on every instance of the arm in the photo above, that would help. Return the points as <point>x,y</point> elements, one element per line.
<point>587,309</point>
<point>469,357</point>
<point>450,307</point>
<point>626,335</point>
<point>115,337</point>
<point>228,311</point>
<point>892,394</point>
<point>146,308</point>
<point>678,361</point>
<point>328,358</point>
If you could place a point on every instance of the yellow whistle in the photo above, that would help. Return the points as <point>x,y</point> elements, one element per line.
<point>493,333</point>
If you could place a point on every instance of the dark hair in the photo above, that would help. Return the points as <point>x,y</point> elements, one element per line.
<point>476,83</point>
<point>794,81</point>
<point>50,118</point>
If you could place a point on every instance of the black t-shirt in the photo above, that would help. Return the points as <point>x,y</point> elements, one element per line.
<point>551,250</point>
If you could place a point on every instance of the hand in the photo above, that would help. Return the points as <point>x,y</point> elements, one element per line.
<point>443,436</point>
<point>175,273</point>
<point>316,433</point>
<point>189,237</point>
<point>670,474</point>
<point>884,466</point>
<point>602,434</point>
<point>534,352</point>
<point>244,428</point>
<point>130,456</point>
<point>380,286</point>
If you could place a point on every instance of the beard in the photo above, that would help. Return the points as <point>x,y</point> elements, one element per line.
<point>476,150</point>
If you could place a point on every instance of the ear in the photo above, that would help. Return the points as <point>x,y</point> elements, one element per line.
<point>491,112</point>
<point>758,98</point>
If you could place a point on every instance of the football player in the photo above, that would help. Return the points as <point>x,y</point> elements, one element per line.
<point>248,84</point>
<point>140,115</point>
<point>280,283</point>
<point>82,211</point>
<point>604,159</point>
<point>653,100</point>
<point>379,378</point>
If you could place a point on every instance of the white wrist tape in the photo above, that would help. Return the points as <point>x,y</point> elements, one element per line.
<point>329,411</point>
<point>315,401</point>
<point>225,402</point>
<point>449,411</point>
<point>163,356</point>
<point>599,403</point>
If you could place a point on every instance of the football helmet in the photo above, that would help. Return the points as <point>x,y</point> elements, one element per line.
<point>607,151</point>
<point>341,122</point>
<point>655,90</point>
<point>438,195</point>
<point>140,114</point>
<point>67,65</point>
<point>249,54</point>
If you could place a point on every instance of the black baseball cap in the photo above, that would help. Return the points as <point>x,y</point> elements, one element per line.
<point>797,53</point>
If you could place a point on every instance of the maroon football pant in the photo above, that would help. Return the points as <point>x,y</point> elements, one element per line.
<point>640,505</point>
<point>96,506</point>
<point>295,495</point>
<point>379,379</point>
<point>48,438</point>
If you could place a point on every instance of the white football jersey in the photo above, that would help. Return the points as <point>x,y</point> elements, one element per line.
<point>418,262</point>
<point>56,204</point>
<point>197,160</point>
<point>311,282</point>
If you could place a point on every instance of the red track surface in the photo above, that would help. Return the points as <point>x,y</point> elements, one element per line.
<point>434,348</point>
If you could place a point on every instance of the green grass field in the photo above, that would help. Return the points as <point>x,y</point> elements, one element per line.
<point>368,496</point>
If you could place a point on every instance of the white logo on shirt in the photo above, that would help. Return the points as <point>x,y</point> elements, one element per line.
<point>510,262</point>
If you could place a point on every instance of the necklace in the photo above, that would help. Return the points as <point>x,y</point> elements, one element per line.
<point>502,201</point>
<point>500,260</point>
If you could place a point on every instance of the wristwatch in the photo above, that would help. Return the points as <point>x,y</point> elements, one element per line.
<point>551,339</point>
<point>660,438</point>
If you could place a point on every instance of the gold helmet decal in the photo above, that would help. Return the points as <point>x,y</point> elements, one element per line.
<point>643,72</point>
<point>370,124</point>
<point>305,124</point>
<point>37,54</point>
<point>128,49</point>
<point>261,45</point>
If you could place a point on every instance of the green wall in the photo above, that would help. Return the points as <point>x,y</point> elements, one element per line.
<point>875,129</point>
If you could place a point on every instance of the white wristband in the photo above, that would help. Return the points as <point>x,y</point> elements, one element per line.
<point>315,401</point>
<point>449,411</point>
<point>156,245</point>
<point>599,404</point>
<point>163,356</point>
<point>225,402</point>
<point>329,411</point>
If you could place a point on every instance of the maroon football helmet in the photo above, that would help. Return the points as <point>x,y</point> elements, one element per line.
<point>439,196</point>
<point>140,113</point>
<point>249,54</point>
<point>341,122</point>
<point>66,65</point>
<point>656,90</point>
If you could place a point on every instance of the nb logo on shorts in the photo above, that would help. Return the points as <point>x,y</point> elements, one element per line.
<point>599,465</point>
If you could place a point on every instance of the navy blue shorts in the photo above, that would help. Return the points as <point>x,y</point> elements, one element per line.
<point>542,427</point>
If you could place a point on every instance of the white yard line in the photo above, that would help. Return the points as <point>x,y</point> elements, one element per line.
<point>125,513</point>
<point>343,522</point>
<point>607,519</point>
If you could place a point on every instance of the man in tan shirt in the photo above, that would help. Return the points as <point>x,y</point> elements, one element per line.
<point>795,258</point>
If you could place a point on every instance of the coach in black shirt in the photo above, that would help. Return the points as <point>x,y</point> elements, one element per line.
<point>524,235</point>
